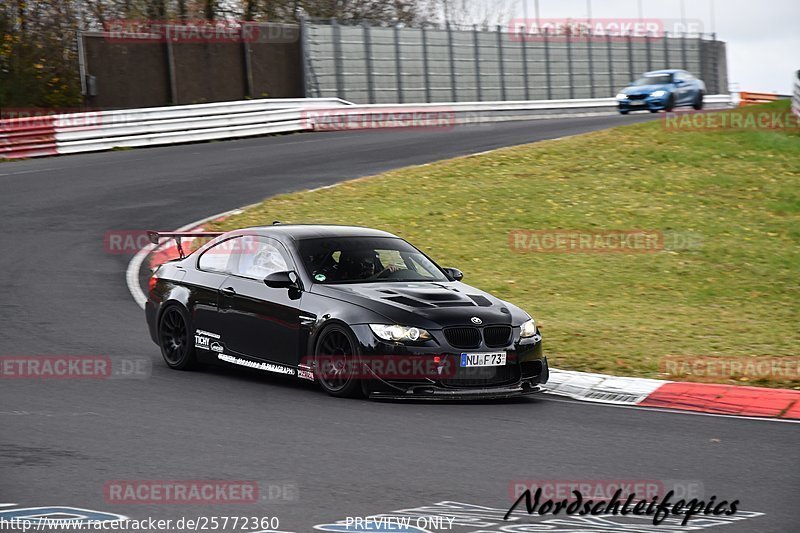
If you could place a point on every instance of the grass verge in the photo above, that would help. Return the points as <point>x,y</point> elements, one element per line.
<point>734,194</point>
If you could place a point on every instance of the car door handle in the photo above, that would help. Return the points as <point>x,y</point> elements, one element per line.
<point>228,291</point>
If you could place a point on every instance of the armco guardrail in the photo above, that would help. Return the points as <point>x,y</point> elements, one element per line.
<point>796,95</point>
<point>104,130</point>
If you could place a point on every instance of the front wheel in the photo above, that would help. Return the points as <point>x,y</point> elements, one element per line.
<point>336,359</point>
<point>698,102</point>
<point>174,339</point>
<point>670,103</point>
<point>623,112</point>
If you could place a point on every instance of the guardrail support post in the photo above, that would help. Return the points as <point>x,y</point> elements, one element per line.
<point>649,54</point>
<point>368,61</point>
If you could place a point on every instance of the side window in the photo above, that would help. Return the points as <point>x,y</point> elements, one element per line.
<point>260,257</point>
<point>218,257</point>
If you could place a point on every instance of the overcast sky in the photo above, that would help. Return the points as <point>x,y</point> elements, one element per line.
<point>763,36</point>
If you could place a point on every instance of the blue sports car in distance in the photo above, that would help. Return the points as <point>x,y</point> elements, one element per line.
<point>662,89</point>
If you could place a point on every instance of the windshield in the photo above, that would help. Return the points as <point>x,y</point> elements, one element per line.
<point>654,80</point>
<point>366,260</point>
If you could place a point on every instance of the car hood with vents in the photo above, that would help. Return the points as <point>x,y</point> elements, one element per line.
<point>427,304</point>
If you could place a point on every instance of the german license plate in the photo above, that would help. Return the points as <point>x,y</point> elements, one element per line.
<point>483,359</point>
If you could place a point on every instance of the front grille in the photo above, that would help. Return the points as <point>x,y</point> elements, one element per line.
<point>483,376</point>
<point>637,96</point>
<point>496,336</point>
<point>463,337</point>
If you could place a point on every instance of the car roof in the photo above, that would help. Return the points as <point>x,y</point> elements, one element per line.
<point>665,71</point>
<point>301,232</point>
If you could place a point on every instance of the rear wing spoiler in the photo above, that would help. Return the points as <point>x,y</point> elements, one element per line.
<point>156,236</point>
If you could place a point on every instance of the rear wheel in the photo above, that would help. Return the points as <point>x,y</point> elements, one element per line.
<point>174,338</point>
<point>336,360</point>
<point>670,103</point>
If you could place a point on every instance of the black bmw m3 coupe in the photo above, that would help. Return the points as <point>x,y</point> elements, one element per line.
<point>359,311</point>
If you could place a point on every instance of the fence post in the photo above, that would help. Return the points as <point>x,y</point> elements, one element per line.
<point>425,65</point>
<point>477,52</point>
<point>453,89</point>
<point>701,56</point>
<point>649,54</point>
<point>337,58</point>
<point>398,64</point>
<point>368,61</point>
<point>547,63</point>
<point>524,43</point>
<point>715,64</point>
<point>683,51</point>
<point>610,53</point>
<point>666,50</point>
<point>501,60</point>
<point>569,66</point>
<point>248,65</point>
<point>630,57</point>
<point>590,51</point>
<point>173,81</point>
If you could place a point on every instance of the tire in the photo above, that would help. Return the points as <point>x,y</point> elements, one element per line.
<point>174,338</point>
<point>698,102</point>
<point>624,112</point>
<point>670,103</point>
<point>336,346</point>
<point>654,110</point>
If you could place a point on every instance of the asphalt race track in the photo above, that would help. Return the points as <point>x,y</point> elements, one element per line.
<point>316,459</point>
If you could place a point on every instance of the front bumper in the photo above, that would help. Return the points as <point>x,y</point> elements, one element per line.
<point>525,372</point>
<point>651,103</point>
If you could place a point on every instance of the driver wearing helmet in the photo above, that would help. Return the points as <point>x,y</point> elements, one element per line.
<point>362,265</point>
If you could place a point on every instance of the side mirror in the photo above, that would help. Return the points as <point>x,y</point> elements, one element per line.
<point>283,280</point>
<point>453,273</point>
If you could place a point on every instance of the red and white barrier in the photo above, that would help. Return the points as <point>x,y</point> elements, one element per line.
<point>105,130</point>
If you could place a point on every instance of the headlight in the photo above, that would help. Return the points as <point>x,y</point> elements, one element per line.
<point>399,333</point>
<point>527,329</point>
<point>659,94</point>
<point>621,96</point>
